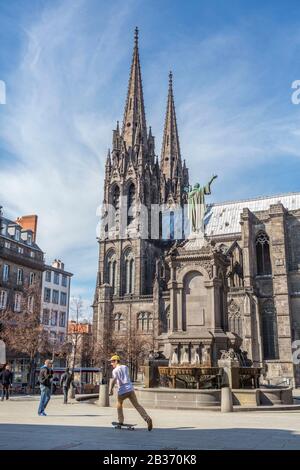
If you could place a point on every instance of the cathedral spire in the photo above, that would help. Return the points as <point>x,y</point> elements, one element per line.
<point>170,154</point>
<point>134,114</point>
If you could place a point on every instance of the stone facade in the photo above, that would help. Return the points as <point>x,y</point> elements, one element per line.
<point>240,288</point>
<point>21,262</point>
<point>56,301</point>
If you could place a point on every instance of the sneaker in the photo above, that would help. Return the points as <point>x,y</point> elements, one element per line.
<point>43,413</point>
<point>150,424</point>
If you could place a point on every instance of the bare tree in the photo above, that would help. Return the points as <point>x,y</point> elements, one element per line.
<point>74,337</point>
<point>133,346</point>
<point>101,349</point>
<point>22,330</point>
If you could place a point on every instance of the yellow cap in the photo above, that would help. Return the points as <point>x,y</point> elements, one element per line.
<point>115,358</point>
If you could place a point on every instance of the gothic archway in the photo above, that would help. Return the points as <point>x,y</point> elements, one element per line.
<point>235,319</point>
<point>269,330</point>
<point>110,274</point>
<point>128,267</point>
<point>263,260</point>
<point>194,300</point>
<point>131,203</point>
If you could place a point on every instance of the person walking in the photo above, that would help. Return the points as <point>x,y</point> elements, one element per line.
<point>66,382</point>
<point>6,377</point>
<point>125,390</point>
<point>45,379</point>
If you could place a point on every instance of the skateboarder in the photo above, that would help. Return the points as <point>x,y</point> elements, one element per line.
<point>125,390</point>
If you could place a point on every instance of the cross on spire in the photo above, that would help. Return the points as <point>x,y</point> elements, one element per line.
<point>136,36</point>
<point>134,114</point>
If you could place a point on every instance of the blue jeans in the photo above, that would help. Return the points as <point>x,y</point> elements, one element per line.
<point>45,397</point>
<point>65,390</point>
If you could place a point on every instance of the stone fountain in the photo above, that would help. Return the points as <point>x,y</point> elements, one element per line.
<point>180,384</point>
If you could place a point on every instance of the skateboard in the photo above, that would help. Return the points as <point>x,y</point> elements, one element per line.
<point>116,425</point>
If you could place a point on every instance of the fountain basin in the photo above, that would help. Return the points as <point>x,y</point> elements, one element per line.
<point>192,399</point>
<point>177,399</point>
<point>189,373</point>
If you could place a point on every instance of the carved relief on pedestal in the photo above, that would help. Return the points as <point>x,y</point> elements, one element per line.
<point>207,265</point>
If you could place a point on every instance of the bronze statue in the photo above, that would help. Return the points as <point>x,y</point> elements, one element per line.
<point>196,205</point>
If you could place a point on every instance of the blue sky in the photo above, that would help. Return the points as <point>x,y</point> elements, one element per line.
<point>66,64</point>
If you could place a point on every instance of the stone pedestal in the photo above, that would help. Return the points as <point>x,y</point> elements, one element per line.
<point>230,376</point>
<point>151,373</point>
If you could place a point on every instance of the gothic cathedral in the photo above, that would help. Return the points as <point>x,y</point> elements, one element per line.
<point>158,289</point>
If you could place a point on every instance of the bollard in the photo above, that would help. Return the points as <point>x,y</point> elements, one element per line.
<point>103,395</point>
<point>71,393</point>
<point>226,400</point>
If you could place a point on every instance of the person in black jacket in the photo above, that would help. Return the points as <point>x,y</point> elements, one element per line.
<point>45,379</point>
<point>6,378</point>
<point>66,382</point>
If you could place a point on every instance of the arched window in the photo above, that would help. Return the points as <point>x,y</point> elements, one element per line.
<point>118,322</point>
<point>165,320</point>
<point>147,195</point>
<point>235,319</point>
<point>160,225</point>
<point>263,260</point>
<point>269,330</point>
<point>194,301</point>
<point>128,264</point>
<point>131,204</point>
<point>111,270</point>
<point>116,204</point>
<point>172,225</point>
<point>145,321</point>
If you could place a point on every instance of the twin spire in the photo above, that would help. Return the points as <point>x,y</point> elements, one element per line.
<point>170,153</point>
<point>134,122</point>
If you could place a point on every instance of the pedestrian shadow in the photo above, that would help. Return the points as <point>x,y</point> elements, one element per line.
<point>75,416</point>
<point>50,437</point>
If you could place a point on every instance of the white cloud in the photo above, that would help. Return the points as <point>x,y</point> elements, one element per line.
<point>59,135</point>
<point>70,85</point>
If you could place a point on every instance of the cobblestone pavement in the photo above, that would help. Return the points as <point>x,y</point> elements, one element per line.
<point>87,426</point>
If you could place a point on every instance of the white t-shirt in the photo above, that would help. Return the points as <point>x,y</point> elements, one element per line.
<point>121,374</point>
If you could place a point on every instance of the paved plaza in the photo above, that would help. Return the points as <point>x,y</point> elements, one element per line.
<point>83,426</point>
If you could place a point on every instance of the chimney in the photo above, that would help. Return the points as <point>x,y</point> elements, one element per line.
<point>57,263</point>
<point>28,222</point>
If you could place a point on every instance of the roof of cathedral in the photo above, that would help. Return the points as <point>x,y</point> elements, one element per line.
<point>224,218</point>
